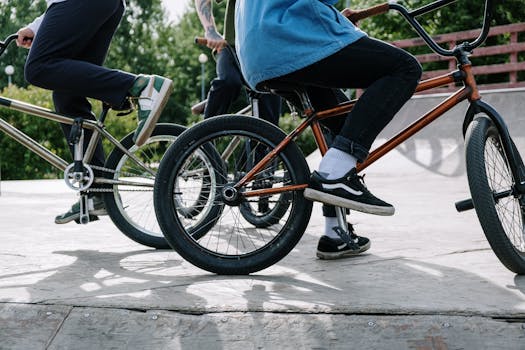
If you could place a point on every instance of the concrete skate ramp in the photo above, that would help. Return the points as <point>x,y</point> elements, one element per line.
<point>439,147</point>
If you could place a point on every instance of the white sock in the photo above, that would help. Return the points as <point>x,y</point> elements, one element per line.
<point>336,164</point>
<point>329,224</point>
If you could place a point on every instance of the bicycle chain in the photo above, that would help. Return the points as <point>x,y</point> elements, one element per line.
<point>107,170</point>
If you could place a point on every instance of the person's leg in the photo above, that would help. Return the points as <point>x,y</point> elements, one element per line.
<point>94,52</point>
<point>270,108</point>
<point>390,76</point>
<point>331,245</point>
<point>70,31</point>
<point>226,87</point>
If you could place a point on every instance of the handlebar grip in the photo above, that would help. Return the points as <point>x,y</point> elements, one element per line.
<point>201,41</point>
<point>369,12</point>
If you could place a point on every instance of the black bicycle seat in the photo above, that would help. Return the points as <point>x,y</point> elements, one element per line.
<point>289,91</point>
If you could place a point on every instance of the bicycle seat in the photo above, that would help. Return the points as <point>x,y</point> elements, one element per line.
<point>291,92</point>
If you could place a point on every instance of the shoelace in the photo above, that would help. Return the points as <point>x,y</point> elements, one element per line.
<point>346,237</point>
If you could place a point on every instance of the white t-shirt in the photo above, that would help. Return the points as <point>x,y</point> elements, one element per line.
<point>36,23</point>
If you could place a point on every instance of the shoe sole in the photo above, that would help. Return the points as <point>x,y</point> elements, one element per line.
<point>156,110</point>
<point>341,255</point>
<point>315,195</point>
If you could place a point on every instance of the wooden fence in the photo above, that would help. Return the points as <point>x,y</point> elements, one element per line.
<point>511,55</point>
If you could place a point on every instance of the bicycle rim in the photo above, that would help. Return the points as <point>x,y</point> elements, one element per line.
<point>130,204</point>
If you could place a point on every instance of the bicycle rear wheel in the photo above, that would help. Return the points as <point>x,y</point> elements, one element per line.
<point>499,207</point>
<point>129,202</point>
<point>231,244</point>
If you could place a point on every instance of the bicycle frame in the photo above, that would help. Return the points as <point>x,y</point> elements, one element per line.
<point>96,126</point>
<point>469,92</point>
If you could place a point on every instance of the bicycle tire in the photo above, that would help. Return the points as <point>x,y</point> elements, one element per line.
<point>488,173</point>
<point>231,246</point>
<point>131,207</point>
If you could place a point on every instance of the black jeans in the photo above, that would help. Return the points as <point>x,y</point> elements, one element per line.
<point>226,88</point>
<point>67,56</point>
<point>389,75</point>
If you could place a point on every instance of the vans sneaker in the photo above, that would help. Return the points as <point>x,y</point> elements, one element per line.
<point>348,191</point>
<point>151,92</point>
<point>336,248</point>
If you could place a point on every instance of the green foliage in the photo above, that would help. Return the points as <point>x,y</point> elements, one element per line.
<point>16,161</point>
<point>306,141</point>
<point>458,16</point>
<point>15,15</point>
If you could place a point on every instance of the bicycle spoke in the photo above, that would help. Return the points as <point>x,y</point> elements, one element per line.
<point>500,179</point>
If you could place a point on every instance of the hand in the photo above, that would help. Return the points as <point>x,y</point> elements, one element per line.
<point>347,13</point>
<point>215,41</point>
<point>25,38</point>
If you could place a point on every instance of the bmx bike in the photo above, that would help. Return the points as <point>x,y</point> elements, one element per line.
<point>128,173</point>
<point>229,244</point>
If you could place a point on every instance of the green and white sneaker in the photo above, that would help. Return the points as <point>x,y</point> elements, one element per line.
<point>151,92</point>
<point>96,208</point>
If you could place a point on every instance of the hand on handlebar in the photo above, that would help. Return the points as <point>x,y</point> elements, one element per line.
<point>348,13</point>
<point>25,38</point>
<point>215,41</point>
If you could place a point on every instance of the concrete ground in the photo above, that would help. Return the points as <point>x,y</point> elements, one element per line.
<point>429,281</point>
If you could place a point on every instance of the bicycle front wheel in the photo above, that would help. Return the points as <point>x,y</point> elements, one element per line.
<point>129,201</point>
<point>499,207</point>
<point>228,243</point>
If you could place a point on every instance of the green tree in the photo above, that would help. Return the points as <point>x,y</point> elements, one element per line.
<point>16,14</point>
<point>458,16</point>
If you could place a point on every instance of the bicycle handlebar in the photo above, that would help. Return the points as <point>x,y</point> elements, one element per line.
<point>201,41</point>
<point>369,12</point>
<point>4,44</point>
<point>411,15</point>
<point>467,46</point>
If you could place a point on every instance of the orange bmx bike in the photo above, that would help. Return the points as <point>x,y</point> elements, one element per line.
<point>231,145</point>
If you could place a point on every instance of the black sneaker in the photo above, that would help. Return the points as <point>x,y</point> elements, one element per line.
<point>336,248</point>
<point>96,207</point>
<point>348,191</point>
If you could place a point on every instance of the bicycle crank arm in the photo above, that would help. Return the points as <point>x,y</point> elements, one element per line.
<point>84,209</point>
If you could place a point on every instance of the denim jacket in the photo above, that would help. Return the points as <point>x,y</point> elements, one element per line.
<point>277,37</point>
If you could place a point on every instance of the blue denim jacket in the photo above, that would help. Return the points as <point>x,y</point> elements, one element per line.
<point>277,37</point>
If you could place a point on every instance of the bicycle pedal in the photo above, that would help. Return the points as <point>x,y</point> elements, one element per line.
<point>91,218</point>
